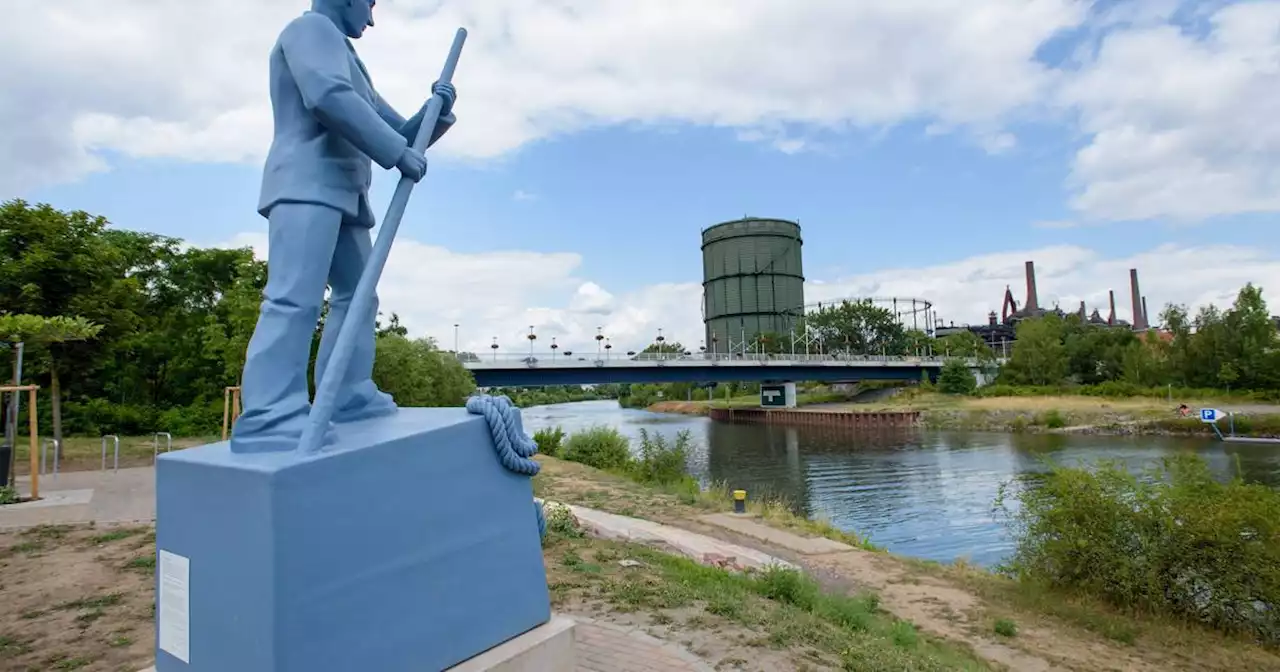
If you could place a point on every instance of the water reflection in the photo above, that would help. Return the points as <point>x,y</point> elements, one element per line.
<point>926,494</point>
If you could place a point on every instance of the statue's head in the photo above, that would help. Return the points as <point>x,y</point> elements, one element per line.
<point>351,16</point>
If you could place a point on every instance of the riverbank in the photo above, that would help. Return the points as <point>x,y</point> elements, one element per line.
<point>1045,414</point>
<point>955,602</point>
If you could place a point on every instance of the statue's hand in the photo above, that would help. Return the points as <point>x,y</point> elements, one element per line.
<point>448,93</point>
<point>412,165</point>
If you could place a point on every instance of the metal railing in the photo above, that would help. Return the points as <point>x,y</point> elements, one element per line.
<point>104,451</point>
<point>155,444</point>
<point>659,359</point>
<point>44,455</point>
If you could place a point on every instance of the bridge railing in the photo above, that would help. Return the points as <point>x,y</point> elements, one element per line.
<point>659,359</point>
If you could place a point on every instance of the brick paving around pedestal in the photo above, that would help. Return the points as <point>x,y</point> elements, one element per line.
<point>605,647</point>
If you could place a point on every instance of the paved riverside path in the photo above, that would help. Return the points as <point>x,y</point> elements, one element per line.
<point>129,496</point>
<point>74,497</point>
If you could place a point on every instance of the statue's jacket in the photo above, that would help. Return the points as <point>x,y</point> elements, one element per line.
<point>329,123</point>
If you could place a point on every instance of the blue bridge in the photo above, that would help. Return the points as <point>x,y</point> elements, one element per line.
<point>537,370</point>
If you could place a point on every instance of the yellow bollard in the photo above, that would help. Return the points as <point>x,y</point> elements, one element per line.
<point>739,501</point>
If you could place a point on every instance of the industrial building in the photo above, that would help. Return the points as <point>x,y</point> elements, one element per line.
<point>1001,330</point>
<point>753,281</point>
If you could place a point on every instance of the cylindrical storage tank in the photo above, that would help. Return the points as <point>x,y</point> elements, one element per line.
<point>753,281</point>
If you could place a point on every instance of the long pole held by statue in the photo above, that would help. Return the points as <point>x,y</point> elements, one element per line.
<point>322,408</point>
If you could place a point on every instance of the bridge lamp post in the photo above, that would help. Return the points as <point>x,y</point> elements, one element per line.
<point>494,348</point>
<point>456,353</point>
<point>554,347</point>
<point>660,340</point>
<point>599,337</point>
<point>532,337</point>
<point>607,347</point>
<point>714,338</point>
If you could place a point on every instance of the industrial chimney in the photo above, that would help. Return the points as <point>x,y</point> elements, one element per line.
<point>1111,318</point>
<point>1033,301</point>
<point>1139,313</point>
<point>1146,319</point>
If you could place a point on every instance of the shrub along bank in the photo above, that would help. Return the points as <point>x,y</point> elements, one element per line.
<point>1172,541</point>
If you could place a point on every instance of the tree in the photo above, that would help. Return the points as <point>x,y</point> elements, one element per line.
<point>415,373</point>
<point>1039,357</point>
<point>393,327</point>
<point>956,378</point>
<point>964,344</point>
<point>1143,363</point>
<point>666,347</point>
<point>46,331</point>
<point>857,327</point>
<point>1095,354</point>
<point>55,263</point>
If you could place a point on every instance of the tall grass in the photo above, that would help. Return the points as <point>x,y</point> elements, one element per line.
<point>659,461</point>
<point>1173,541</point>
<point>600,446</point>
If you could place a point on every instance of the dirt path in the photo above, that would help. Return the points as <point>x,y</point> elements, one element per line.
<point>938,600</point>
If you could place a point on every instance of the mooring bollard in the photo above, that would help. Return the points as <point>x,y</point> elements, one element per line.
<point>104,451</point>
<point>739,501</point>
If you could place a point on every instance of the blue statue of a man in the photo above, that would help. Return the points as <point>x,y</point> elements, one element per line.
<point>330,124</point>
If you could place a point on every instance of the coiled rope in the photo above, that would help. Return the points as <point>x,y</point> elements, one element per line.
<point>515,448</point>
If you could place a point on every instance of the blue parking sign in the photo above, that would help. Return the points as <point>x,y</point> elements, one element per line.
<point>1208,415</point>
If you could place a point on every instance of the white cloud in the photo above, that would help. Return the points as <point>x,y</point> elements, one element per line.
<point>172,78</point>
<point>432,289</point>
<point>1177,123</point>
<point>522,195</point>
<point>1181,126</point>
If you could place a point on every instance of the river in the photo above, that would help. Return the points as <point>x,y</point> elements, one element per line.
<point>924,494</point>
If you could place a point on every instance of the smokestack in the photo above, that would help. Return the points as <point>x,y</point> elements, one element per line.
<point>1083,314</point>
<point>991,318</point>
<point>1111,318</point>
<point>1146,319</point>
<point>1139,315</point>
<point>1033,301</point>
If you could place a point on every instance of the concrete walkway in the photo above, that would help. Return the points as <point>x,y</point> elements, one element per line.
<point>605,647</point>
<point>74,497</point>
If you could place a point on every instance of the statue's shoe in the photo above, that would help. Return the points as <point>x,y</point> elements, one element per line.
<point>263,432</point>
<point>378,405</point>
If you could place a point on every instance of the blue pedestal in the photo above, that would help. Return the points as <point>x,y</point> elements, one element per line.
<point>406,547</point>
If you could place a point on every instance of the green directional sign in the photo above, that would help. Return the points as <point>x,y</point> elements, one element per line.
<point>781,395</point>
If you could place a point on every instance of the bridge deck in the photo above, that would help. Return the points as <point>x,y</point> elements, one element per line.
<point>539,369</point>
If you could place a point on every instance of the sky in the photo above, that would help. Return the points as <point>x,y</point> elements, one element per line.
<point>928,148</point>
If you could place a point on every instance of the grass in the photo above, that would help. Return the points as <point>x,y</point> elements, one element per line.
<point>770,611</point>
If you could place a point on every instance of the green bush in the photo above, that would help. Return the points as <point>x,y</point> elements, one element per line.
<point>549,440</point>
<point>661,462</point>
<point>1173,541</point>
<point>956,378</point>
<point>96,417</point>
<point>600,447</point>
<point>1052,419</point>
